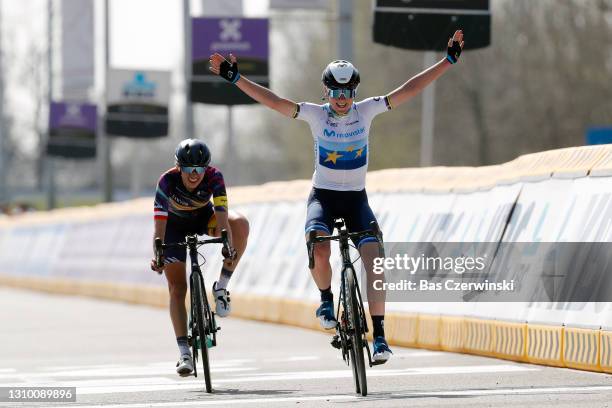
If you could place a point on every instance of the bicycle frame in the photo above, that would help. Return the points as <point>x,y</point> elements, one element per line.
<point>192,245</point>
<point>350,330</point>
<point>202,320</point>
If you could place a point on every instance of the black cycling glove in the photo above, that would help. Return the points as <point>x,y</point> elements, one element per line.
<point>229,72</point>
<point>454,51</point>
<point>230,254</point>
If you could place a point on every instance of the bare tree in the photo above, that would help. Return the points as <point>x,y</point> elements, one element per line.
<point>543,81</point>
<point>33,74</point>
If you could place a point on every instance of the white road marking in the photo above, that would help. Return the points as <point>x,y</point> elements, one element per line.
<point>458,393</point>
<point>80,367</point>
<point>145,384</point>
<point>215,363</point>
<point>115,382</point>
<point>232,401</point>
<point>117,370</point>
<point>424,353</point>
<point>234,361</point>
<point>126,372</point>
<point>347,373</point>
<point>413,354</point>
<point>295,358</point>
<point>508,391</point>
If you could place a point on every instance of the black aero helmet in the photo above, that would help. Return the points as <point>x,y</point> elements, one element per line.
<point>340,74</point>
<point>192,152</point>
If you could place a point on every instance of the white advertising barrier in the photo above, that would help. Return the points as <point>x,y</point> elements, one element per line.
<point>275,263</point>
<point>112,249</point>
<point>117,248</point>
<point>412,217</point>
<point>566,210</point>
<point>479,216</point>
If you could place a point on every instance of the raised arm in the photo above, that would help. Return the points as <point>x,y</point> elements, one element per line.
<point>417,83</point>
<point>229,71</point>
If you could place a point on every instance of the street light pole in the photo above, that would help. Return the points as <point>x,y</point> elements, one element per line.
<point>428,115</point>
<point>49,162</point>
<point>345,30</point>
<point>189,127</point>
<point>3,135</point>
<point>106,143</point>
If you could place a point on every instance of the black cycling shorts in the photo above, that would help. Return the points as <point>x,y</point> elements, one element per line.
<point>326,205</point>
<point>202,222</point>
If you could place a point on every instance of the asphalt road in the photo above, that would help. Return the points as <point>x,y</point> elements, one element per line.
<point>124,355</point>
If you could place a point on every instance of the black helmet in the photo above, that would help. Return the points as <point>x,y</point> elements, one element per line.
<point>192,152</point>
<point>340,74</point>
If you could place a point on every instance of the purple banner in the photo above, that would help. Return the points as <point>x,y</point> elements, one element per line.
<point>75,115</point>
<point>243,37</point>
<point>72,130</point>
<point>246,38</point>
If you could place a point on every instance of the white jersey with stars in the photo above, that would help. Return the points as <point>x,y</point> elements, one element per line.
<point>341,142</point>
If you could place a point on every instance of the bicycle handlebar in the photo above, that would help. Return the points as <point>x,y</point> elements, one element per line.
<point>225,242</point>
<point>374,232</point>
<point>159,246</point>
<point>158,252</point>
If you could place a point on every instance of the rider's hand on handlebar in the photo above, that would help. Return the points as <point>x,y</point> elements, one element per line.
<point>229,253</point>
<point>157,268</point>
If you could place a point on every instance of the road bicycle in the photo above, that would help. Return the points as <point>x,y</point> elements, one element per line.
<point>351,326</point>
<point>202,330</point>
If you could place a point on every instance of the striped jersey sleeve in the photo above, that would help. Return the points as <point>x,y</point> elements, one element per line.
<point>217,187</point>
<point>160,206</point>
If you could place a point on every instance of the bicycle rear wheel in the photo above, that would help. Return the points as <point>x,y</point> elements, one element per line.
<point>200,312</point>
<point>357,342</point>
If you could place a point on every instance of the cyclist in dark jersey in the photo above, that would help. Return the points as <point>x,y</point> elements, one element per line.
<point>340,129</point>
<point>183,206</point>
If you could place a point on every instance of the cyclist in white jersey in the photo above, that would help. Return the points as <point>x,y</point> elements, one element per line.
<point>340,129</point>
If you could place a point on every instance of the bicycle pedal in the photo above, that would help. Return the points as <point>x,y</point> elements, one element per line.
<point>375,363</point>
<point>336,343</point>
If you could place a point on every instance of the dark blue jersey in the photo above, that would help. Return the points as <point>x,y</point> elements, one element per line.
<point>173,197</point>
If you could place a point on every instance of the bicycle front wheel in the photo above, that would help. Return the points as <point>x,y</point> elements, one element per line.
<point>200,314</point>
<point>357,342</point>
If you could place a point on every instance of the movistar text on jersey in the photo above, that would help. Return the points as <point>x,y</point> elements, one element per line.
<point>333,133</point>
<point>413,264</point>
